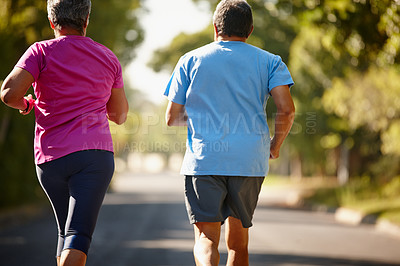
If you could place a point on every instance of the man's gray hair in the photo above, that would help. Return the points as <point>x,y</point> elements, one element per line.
<point>69,13</point>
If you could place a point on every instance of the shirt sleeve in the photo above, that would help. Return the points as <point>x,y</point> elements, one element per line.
<point>279,74</point>
<point>178,84</point>
<point>32,61</point>
<point>119,81</point>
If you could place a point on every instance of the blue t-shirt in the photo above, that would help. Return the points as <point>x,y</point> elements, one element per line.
<point>224,87</point>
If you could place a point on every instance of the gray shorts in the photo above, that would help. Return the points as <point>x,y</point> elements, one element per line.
<point>213,198</point>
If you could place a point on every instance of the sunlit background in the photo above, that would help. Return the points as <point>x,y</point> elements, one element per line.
<point>344,58</point>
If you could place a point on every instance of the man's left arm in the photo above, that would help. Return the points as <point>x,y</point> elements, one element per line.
<point>175,115</point>
<point>284,117</point>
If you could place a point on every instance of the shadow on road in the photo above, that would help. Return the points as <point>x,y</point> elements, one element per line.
<point>144,222</point>
<point>290,259</point>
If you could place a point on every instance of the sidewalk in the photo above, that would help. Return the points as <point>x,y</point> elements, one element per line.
<point>292,197</point>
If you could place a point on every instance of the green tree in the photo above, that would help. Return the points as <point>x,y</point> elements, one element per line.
<point>21,23</point>
<point>115,24</point>
<point>340,43</point>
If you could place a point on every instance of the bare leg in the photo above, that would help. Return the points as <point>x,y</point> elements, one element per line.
<point>73,257</point>
<point>237,240</point>
<point>58,260</point>
<point>206,243</point>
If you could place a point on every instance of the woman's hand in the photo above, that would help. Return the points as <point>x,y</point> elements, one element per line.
<point>30,104</point>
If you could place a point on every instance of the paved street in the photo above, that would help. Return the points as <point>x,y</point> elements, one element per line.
<point>143,222</point>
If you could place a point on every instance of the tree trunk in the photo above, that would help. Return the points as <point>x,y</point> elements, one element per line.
<point>343,164</point>
<point>295,168</point>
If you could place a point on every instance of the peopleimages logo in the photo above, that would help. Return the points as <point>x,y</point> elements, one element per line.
<point>307,126</point>
<point>155,147</point>
<point>311,123</point>
<point>204,123</point>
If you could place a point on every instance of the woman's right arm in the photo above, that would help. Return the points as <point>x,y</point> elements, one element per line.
<point>117,106</point>
<point>14,88</point>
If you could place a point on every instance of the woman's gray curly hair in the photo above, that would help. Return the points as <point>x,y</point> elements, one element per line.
<point>69,13</point>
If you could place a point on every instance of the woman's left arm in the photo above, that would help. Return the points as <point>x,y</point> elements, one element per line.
<point>117,106</point>
<point>14,88</point>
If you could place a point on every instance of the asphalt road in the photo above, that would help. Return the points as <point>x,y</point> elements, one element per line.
<point>143,222</point>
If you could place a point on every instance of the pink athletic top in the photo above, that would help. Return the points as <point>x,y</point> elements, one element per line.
<point>73,76</point>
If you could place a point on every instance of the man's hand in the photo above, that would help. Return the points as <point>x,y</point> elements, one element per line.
<point>274,150</point>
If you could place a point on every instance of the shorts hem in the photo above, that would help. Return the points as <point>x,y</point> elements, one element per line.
<point>194,221</point>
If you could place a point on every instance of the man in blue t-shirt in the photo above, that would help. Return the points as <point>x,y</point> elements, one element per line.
<point>219,91</point>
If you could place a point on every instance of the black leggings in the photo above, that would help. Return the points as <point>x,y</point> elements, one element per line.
<point>75,185</point>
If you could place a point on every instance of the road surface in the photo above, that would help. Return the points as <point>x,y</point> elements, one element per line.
<point>143,222</point>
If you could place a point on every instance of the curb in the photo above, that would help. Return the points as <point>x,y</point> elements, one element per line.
<point>388,227</point>
<point>294,199</point>
<point>353,217</point>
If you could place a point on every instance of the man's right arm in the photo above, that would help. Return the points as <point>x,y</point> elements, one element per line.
<point>284,117</point>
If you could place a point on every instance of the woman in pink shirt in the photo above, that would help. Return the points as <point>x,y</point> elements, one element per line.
<point>78,87</point>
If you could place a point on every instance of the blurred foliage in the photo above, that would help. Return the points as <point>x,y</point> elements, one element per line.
<point>344,57</point>
<point>23,22</point>
<point>115,24</point>
<point>374,102</point>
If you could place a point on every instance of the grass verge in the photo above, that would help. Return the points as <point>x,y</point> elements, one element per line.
<point>371,197</point>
